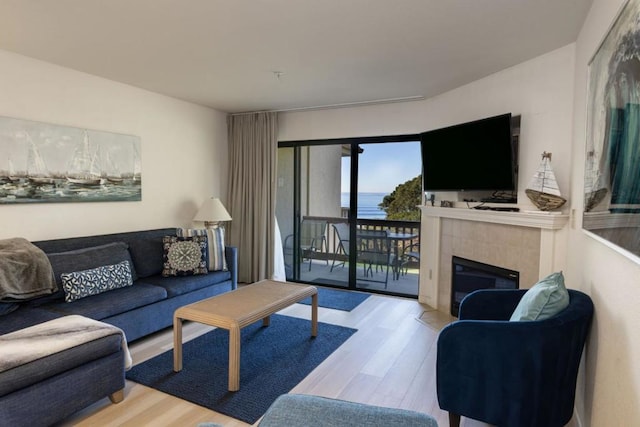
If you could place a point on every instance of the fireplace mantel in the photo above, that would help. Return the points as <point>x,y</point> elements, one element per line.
<point>543,220</point>
<point>524,240</point>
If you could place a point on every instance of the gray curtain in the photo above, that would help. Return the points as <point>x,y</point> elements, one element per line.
<point>253,145</point>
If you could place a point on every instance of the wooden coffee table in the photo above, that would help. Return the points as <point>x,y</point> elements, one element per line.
<point>239,308</point>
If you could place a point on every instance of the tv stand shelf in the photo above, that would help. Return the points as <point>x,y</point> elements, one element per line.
<point>543,220</point>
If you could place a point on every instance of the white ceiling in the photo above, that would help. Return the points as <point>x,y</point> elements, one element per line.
<point>224,53</point>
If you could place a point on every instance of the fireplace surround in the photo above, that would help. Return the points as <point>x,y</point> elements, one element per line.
<point>531,243</point>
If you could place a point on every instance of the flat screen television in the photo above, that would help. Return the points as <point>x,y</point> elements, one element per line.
<point>473,156</point>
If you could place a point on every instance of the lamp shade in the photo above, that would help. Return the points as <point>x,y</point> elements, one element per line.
<point>212,210</point>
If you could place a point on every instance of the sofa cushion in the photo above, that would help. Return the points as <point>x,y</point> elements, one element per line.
<point>8,307</point>
<point>24,317</point>
<point>215,241</point>
<point>177,285</point>
<point>147,255</point>
<point>91,257</point>
<point>81,284</point>
<point>111,303</point>
<point>544,300</point>
<point>184,256</point>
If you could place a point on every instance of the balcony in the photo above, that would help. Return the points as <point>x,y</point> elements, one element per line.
<point>386,255</point>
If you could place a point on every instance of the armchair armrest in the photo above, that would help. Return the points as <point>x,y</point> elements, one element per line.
<point>490,304</point>
<point>231,256</point>
<point>500,359</point>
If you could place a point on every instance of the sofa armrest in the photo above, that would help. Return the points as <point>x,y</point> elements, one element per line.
<point>298,410</point>
<point>490,304</point>
<point>231,256</point>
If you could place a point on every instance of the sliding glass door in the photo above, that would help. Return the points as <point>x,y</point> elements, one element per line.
<point>347,213</point>
<point>389,190</point>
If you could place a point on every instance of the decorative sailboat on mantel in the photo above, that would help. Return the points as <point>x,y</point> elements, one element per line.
<point>595,188</point>
<point>543,189</point>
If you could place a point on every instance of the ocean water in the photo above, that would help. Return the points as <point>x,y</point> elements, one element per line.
<point>367,205</point>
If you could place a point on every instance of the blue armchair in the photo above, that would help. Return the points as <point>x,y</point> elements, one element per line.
<point>511,373</point>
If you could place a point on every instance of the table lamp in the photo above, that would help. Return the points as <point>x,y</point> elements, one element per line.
<point>212,212</point>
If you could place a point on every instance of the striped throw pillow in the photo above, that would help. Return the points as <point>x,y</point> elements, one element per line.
<point>215,237</point>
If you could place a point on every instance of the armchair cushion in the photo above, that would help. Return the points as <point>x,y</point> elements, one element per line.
<point>544,300</point>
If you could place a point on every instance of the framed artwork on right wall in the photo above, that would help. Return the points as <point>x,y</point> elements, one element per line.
<point>612,169</point>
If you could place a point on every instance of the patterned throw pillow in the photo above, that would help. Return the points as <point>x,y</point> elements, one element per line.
<point>215,237</point>
<point>184,256</point>
<point>95,281</point>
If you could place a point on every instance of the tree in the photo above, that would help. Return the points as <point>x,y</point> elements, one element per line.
<point>402,204</point>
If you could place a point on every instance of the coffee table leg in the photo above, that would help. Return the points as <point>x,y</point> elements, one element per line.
<point>234,358</point>
<point>177,344</point>
<point>314,315</point>
<point>266,321</point>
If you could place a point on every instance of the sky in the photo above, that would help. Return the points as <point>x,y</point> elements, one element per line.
<point>382,167</point>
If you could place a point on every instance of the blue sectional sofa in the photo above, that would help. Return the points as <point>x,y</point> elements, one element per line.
<point>138,310</point>
<point>76,378</point>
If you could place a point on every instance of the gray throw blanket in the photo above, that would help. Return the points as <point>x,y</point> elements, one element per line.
<point>25,271</point>
<point>35,342</point>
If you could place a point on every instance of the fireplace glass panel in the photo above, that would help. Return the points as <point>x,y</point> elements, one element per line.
<point>468,276</point>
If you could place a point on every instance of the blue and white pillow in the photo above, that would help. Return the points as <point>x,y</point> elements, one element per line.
<point>95,281</point>
<point>184,256</point>
<point>215,238</point>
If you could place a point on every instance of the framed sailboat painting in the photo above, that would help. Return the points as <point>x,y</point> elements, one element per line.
<point>48,163</point>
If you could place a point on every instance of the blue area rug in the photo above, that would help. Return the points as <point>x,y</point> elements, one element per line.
<point>338,299</point>
<point>273,360</point>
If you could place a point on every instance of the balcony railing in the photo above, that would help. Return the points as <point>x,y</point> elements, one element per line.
<point>400,245</point>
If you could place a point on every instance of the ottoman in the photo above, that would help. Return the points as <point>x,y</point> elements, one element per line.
<point>53,369</point>
<point>299,410</point>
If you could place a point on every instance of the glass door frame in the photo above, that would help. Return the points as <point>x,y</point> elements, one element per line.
<point>354,144</point>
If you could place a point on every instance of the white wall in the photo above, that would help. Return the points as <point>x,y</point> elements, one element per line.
<point>612,375</point>
<point>541,90</point>
<point>184,149</point>
<point>325,166</point>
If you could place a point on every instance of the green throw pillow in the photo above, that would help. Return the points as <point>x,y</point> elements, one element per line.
<point>544,300</point>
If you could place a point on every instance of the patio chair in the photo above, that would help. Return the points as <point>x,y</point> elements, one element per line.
<point>410,254</point>
<point>312,239</point>
<point>375,250</point>
<point>342,232</point>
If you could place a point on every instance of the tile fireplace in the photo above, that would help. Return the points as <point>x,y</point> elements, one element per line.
<point>527,242</point>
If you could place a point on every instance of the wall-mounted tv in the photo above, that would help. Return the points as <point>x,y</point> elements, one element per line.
<point>473,156</point>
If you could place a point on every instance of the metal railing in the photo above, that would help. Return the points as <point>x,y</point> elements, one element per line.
<point>395,227</point>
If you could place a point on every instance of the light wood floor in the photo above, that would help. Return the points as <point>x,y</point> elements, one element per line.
<point>389,362</point>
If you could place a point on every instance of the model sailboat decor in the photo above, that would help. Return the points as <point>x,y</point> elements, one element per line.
<point>594,183</point>
<point>543,189</point>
